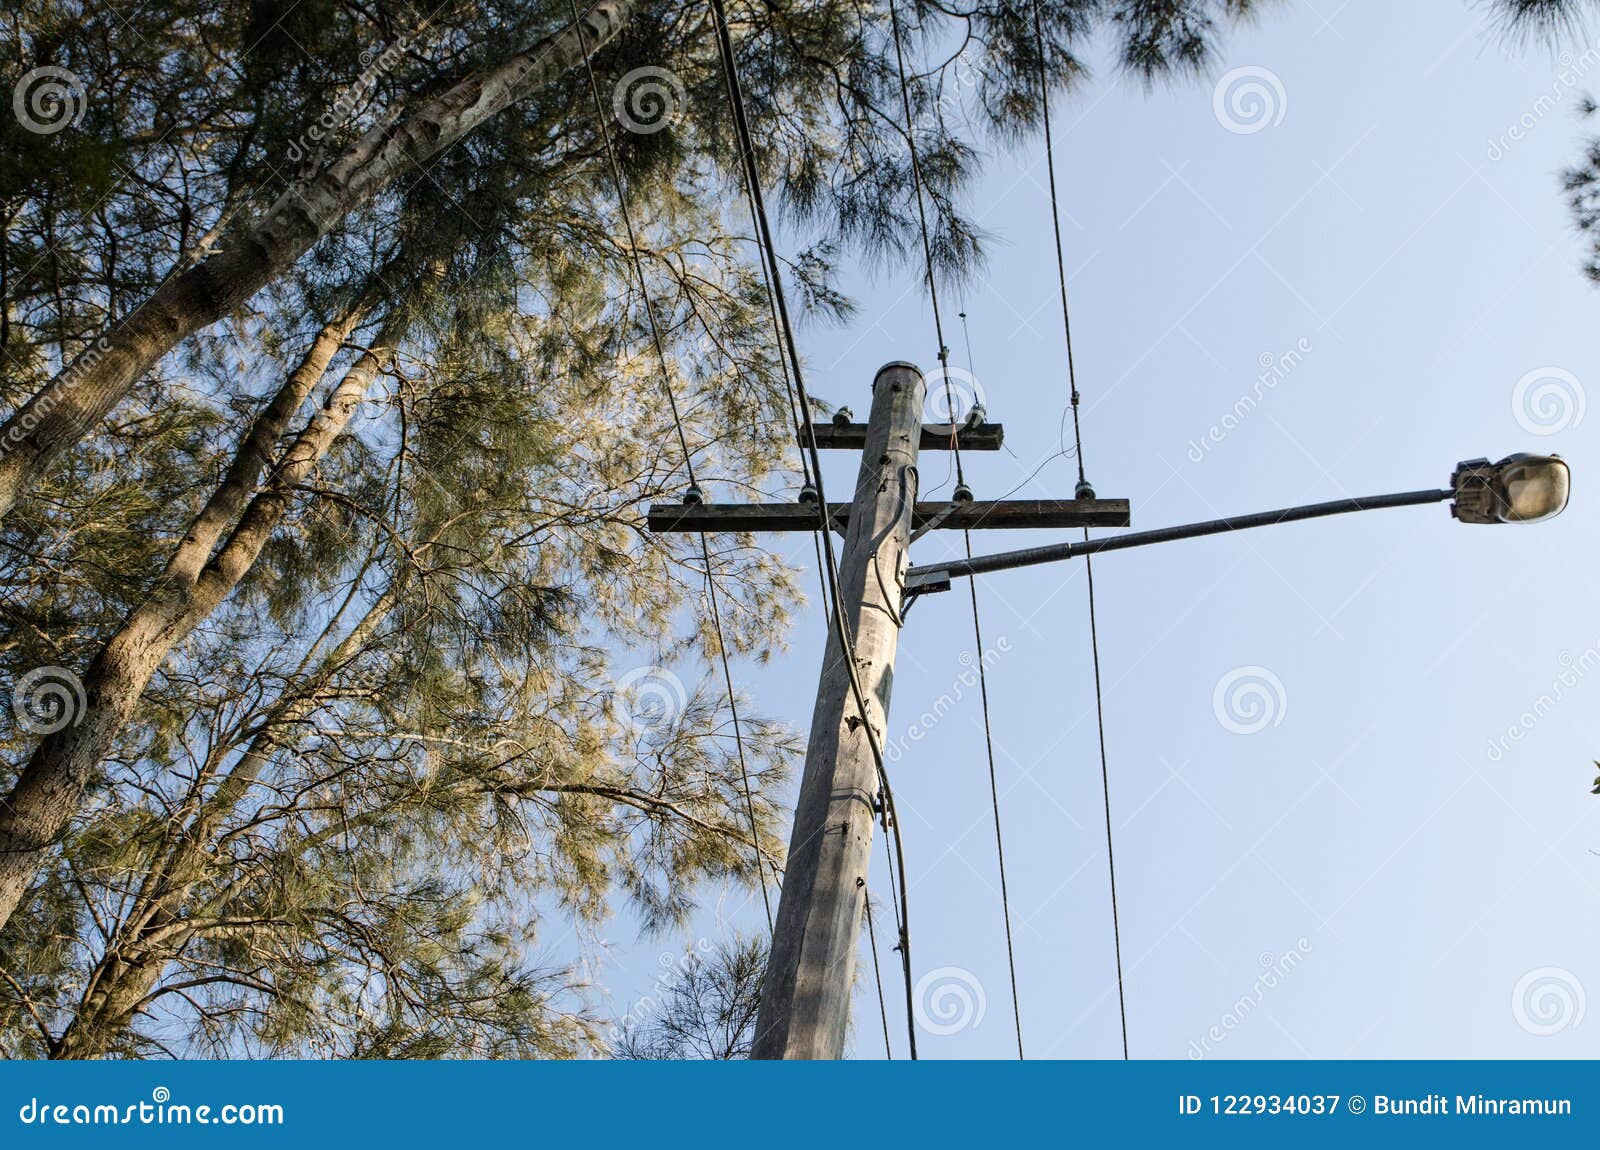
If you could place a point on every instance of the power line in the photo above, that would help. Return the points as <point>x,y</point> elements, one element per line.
<point>767,274</point>
<point>927,243</point>
<point>988,746</point>
<point>688,463</point>
<point>1055,219</point>
<point>994,797</point>
<point>738,739</point>
<point>1083,486</point>
<point>877,976</point>
<point>1105,792</point>
<point>961,491</point>
<point>809,443</point>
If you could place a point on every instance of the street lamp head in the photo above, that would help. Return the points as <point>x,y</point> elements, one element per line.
<point>1520,488</point>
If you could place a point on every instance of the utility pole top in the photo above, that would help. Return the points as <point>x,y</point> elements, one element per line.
<point>903,364</point>
<point>805,996</point>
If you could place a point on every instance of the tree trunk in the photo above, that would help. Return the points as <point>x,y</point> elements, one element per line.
<point>50,789</point>
<point>81,395</point>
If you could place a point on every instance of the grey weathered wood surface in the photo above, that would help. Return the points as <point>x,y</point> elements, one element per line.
<point>933,437</point>
<point>805,998</point>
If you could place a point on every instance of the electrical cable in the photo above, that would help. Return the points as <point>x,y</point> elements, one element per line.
<point>1077,435</point>
<point>961,487</point>
<point>927,243</point>
<point>877,976</point>
<point>688,459</point>
<point>988,746</point>
<point>809,444</point>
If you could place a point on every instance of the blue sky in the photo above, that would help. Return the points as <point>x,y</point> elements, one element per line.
<point>1401,861</point>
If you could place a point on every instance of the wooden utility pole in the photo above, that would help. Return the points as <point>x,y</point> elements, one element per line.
<point>805,998</point>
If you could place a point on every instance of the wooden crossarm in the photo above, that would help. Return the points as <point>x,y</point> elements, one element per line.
<point>935,437</point>
<point>999,515</point>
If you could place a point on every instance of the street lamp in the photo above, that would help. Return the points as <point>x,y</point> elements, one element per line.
<point>1520,488</point>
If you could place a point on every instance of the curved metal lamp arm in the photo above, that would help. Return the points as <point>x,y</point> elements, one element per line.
<point>937,576</point>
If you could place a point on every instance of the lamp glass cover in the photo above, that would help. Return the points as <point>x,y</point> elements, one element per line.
<point>1536,488</point>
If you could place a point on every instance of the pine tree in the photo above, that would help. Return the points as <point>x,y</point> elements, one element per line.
<point>1581,183</point>
<point>507,471</point>
<point>703,1005</point>
<point>399,788</point>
